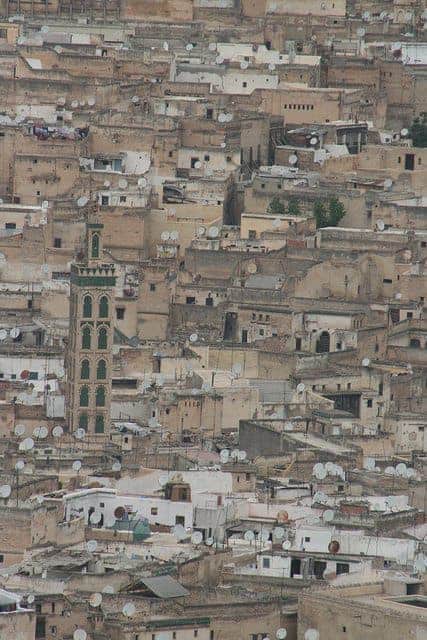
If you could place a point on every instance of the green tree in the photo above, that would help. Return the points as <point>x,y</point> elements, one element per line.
<point>293,207</point>
<point>336,212</point>
<point>276,207</point>
<point>321,215</point>
<point>419,131</point>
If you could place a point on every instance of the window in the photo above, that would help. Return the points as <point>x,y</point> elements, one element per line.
<point>105,201</point>
<point>244,84</point>
<point>101,370</point>
<point>307,539</point>
<point>53,607</point>
<point>57,243</point>
<point>120,313</point>
<point>99,424</point>
<point>29,304</point>
<point>34,375</point>
<point>339,346</point>
<point>10,225</point>
<point>85,370</point>
<point>196,633</point>
<point>87,306</point>
<point>409,314</point>
<point>100,397</point>
<point>102,338</point>
<point>84,396</point>
<point>1,557</point>
<point>123,198</point>
<point>103,307</point>
<point>348,385</point>
<point>154,511</point>
<point>180,520</point>
<point>193,162</point>
<point>209,114</point>
<point>95,245</point>
<point>206,158</point>
<point>266,563</point>
<point>369,403</point>
<point>152,286</point>
<point>190,300</point>
<point>86,338</point>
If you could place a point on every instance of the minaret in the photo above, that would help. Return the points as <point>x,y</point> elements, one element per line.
<point>89,359</point>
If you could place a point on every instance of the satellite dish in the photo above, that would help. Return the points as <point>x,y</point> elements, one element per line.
<point>45,204</point>
<point>249,536</point>
<point>116,466</point>
<point>276,223</point>
<point>401,469</point>
<point>264,535</point>
<point>365,15</point>
<point>380,225</point>
<point>77,465</point>
<point>286,545</point>
<point>123,183</point>
<point>313,141</point>
<point>142,182</point>
<point>197,537</point>
<point>91,101</point>
<point>57,431</point>
<point>420,563</point>
<point>361,32</point>
<point>179,532</point>
<point>107,183</point>
<point>41,432</point>
<point>119,512</point>
<point>388,183</point>
<point>404,132</point>
<point>79,433</point>
<point>318,467</point>
<point>194,337</point>
<point>328,515</point>
<point>95,517</point>
<point>252,266</point>
<point>390,471</point>
<point>219,59</point>
<point>135,99</point>
<point>311,634</point>
<point>91,545</point>
<point>321,474</point>
<point>198,164</point>
<point>165,235</point>
<point>237,368</point>
<point>19,430</point>
<point>5,490</point>
<point>271,67</point>
<point>95,599</point>
<point>235,454</point>
<point>224,455</point>
<point>212,46</point>
<point>281,633</point>
<point>153,423</point>
<point>222,117</point>
<point>44,29</point>
<point>301,387</point>
<point>242,456</point>
<point>210,542</point>
<point>58,49</point>
<point>293,159</point>
<point>174,235</point>
<point>398,296</point>
<point>213,232</point>
<point>19,465</point>
<point>30,599</point>
<point>165,46</point>
<point>129,609</point>
<point>278,533</point>
<point>201,231</point>
<point>366,362</point>
<point>3,334</point>
<point>26,445</point>
<point>75,104</point>
<point>369,464</point>
<point>82,201</point>
<point>15,332</point>
<point>189,46</point>
<point>108,589</point>
<point>244,64</point>
<point>79,634</point>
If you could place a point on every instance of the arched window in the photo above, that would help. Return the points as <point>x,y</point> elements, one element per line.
<point>95,245</point>
<point>101,370</point>
<point>99,424</point>
<point>84,396</point>
<point>103,307</point>
<point>83,421</point>
<point>87,307</point>
<point>86,338</point>
<point>102,338</point>
<point>85,370</point>
<point>100,397</point>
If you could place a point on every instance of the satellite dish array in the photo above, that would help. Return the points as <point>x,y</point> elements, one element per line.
<point>236,455</point>
<point>320,470</point>
<point>14,333</point>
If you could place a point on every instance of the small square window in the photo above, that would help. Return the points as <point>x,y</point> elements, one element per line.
<point>122,198</point>
<point>307,539</point>
<point>266,563</point>
<point>154,511</point>
<point>120,313</point>
<point>369,403</point>
<point>152,286</point>
<point>206,158</point>
<point>409,314</point>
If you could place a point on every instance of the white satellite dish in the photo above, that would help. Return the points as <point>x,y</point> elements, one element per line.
<point>369,464</point>
<point>79,433</point>
<point>311,634</point>
<point>318,497</point>
<point>135,99</point>
<point>3,334</point>
<point>189,46</point>
<point>194,337</point>
<point>201,231</point>
<point>212,46</point>
<point>300,387</point>
<point>198,165</point>
<point>19,465</point>
<point>108,589</point>
<point>41,432</point>
<point>213,232</point>
<point>242,456</point>
<point>321,474</point>
<point>420,563</point>
<point>91,545</point>
<point>244,64</point>
<point>388,183</point>
<point>95,599</point>
<point>249,536</point>
<point>26,445</point>
<point>20,430</point>
<point>235,454</point>
<point>142,182</point>
<point>179,532</point>
<point>328,515</point>
<point>116,466</point>
<point>58,49</point>
<point>287,544</point>
<point>15,332</point>
<point>318,467</point>
<point>222,117</point>
<point>57,431</point>
<point>153,423</point>
<point>165,235</point>
<point>278,533</point>
<point>44,29</point>
<point>361,32</point>
<point>276,223</point>
<point>82,201</point>
<point>107,183</point>
<point>77,465</point>
<point>30,599</point>
<point>264,535</point>
<point>91,101</point>
<point>293,159</point>
<point>380,225</point>
<point>219,59</point>
<point>366,362</point>
<point>75,104</point>
<point>390,471</point>
<point>401,469</point>
<point>365,16</point>
<point>5,490</point>
<point>165,46</point>
<point>174,235</point>
<point>281,633</point>
<point>123,183</point>
<point>398,296</point>
<point>197,537</point>
<point>236,368</point>
<point>224,455</point>
<point>79,634</point>
<point>313,141</point>
<point>404,132</point>
<point>95,517</point>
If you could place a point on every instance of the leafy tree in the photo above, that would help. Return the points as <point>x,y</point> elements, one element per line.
<point>419,131</point>
<point>293,207</point>
<point>321,215</point>
<point>276,207</point>
<point>336,212</point>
